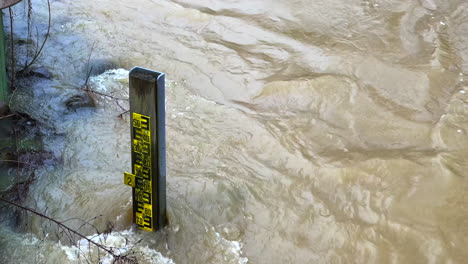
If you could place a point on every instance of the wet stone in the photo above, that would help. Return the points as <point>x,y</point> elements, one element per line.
<point>39,72</point>
<point>42,72</point>
<point>79,101</point>
<point>4,109</point>
<point>23,41</point>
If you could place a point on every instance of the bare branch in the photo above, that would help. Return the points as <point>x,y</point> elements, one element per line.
<point>59,224</point>
<point>29,30</point>
<point>12,48</point>
<point>88,68</point>
<point>70,233</point>
<point>38,52</point>
<point>7,116</point>
<point>103,94</point>
<point>19,162</point>
<point>123,113</point>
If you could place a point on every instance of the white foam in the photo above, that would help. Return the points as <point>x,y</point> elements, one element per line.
<point>234,247</point>
<point>106,81</point>
<point>122,243</point>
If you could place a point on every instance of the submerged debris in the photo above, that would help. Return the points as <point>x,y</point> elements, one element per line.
<point>78,101</point>
<point>4,109</point>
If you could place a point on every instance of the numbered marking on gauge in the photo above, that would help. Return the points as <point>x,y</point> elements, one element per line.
<point>141,178</point>
<point>129,179</point>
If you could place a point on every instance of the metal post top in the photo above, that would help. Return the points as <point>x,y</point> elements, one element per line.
<point>8,3</point>
<point>145,74</point>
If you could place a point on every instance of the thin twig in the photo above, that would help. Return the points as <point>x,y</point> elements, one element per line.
<point>29,30</point>
<point>7,116</point>
<point>116,99</point>
<point>17,154</point>
<point>88,68</point>
<point>86,87</point>
<point>84,222</point>
<point>88,75</point>
<point>70,233</point>
<point>38,53</point>
<point>59,224</point>
<point>123,113</point>
<point>103,94</point>
<point>12,48</point>
<point>19,162</point>
<point>121,107</point>
<point>36,48</point>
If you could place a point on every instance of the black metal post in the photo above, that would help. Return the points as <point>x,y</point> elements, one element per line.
<point>148,135</point>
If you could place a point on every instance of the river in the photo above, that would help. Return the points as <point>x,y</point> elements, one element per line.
<point>325,131</point>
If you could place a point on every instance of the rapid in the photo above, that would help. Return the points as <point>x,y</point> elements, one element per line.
<point>326,131</point>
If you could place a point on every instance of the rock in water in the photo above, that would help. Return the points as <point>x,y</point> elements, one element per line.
<point>4,109</point>
<point>42,72</point>
<point>78,101</point>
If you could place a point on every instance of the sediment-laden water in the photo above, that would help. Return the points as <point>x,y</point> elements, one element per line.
<point>297,131</point>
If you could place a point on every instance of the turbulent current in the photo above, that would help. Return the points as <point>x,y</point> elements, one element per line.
<point>298,131</point>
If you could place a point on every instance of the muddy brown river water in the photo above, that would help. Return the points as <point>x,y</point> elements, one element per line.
<point>325,131</point>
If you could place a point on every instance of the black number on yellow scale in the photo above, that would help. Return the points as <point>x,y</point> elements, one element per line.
<point>129,179</point>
